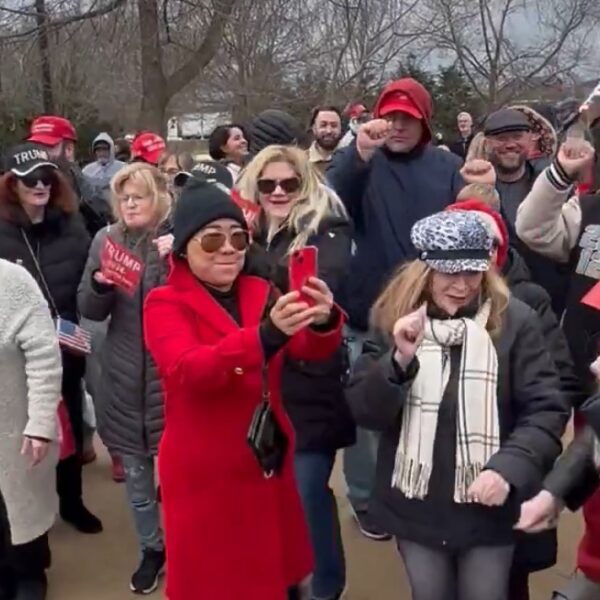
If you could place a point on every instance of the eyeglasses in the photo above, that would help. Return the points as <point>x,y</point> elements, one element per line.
<point>134,199</point>
<point>213,241</point>
<point>45,175</point>
<point>268,186</point>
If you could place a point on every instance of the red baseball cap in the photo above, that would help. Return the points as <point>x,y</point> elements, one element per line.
<point>49,130</point>
<point>399,102</point>
<point>148,147</point>
<point>356,110</point>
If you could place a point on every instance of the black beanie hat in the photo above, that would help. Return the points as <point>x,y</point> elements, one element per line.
<point>199,204</point>
<point>273,126</point>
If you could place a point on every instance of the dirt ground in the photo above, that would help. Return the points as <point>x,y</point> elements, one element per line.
<point>99,567</point>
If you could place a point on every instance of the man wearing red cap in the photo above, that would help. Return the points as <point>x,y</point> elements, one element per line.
<point>357,114</point>
<point>147,147</point>
<point>389,178</point>
<point>59,137</point>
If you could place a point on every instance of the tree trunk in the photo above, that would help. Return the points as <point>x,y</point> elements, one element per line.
<point>154,85</point>
<point>43,45</point>
<point>157,88</point>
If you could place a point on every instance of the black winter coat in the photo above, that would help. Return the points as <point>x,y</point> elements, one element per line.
<point>60,243</point>
<point>313,392</point>
<point>532,415</point>
<point>535,552</point>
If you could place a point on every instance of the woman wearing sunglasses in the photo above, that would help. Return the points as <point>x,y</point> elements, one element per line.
<point>129,401</point>
<point>41,229</point>
<point>233,518</point>
<point>298,211</point>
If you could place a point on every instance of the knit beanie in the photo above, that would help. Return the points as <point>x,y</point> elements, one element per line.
<point>479,206</point>
<point>273,126</point>
<point>199,204</point>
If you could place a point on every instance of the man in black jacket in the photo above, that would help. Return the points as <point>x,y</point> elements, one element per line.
<point>465,128</point>
<point>59,137</point>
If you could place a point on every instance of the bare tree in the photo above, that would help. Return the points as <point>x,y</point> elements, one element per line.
<point>159,86</point>
<point>504,47</point>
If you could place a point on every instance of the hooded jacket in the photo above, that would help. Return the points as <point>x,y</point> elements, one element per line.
<point>98,174</point>
<point>385,197</point>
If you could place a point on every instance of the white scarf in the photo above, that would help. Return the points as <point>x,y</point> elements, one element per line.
<point>478,432</point>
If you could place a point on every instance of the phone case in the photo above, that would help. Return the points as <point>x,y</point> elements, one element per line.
<point>302,266</point>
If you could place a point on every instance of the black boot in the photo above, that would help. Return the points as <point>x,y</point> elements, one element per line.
<point>32,588</point>
<point>72,509</point>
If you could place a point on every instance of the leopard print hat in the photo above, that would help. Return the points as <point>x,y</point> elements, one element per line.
<point>452,242</point>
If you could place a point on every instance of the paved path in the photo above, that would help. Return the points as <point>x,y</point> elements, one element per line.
<point>99,567</point>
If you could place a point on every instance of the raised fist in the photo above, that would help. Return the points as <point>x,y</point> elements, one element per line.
<point>574,156</point>
<point>479,171</point>
<point>408,335</point>
<point>370,136</point>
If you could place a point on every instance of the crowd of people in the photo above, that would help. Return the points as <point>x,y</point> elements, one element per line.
<point>446,336</point>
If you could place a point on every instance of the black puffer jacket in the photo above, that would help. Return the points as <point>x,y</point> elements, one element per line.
<point>313,392</point>
<point>532,415</point>
<point>60,244</point>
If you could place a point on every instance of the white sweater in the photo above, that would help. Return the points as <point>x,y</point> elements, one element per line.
<point>30,388</point>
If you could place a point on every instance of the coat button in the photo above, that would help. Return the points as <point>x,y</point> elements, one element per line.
<point>238,371</point>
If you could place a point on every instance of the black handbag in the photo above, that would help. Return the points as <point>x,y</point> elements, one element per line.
<point>266,438</point>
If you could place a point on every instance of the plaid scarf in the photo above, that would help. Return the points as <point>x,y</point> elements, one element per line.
<point>477,419</point>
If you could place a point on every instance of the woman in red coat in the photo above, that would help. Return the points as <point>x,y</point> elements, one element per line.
<point>217,337</point>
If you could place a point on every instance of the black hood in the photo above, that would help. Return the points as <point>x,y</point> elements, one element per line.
<point>515,270</point>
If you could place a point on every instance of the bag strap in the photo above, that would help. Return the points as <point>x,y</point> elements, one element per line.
<point>266,392</point>
<point>39,270</point>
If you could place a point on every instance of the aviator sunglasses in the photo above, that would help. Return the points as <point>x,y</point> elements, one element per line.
<point>268,186</point>
<point>43,174</point>
<point>213,241</point>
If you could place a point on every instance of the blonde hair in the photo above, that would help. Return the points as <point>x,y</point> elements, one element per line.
<point>315,200</point>
<point>477,148</point>
<point>409,288</point>
<point>482,192</point>
<point>151,183</point>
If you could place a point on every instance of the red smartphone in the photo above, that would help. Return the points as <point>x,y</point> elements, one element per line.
<point>303,265</point>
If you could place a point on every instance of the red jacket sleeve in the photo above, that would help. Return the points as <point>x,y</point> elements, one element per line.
<point>310,344</point>
<point>179,353</point>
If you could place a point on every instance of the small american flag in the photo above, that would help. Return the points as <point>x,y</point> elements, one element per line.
<point>73,337</point>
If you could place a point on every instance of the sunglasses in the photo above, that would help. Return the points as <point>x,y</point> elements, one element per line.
<point>45,175</point>
<point>268,186</point>
<point>213,241</point>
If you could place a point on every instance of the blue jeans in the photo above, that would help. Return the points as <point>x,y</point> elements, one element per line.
<point>313,470</point>
<point>141,492</point>
<point>360,460</point>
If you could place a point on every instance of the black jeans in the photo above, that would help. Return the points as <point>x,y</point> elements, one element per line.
<point>481,573</point>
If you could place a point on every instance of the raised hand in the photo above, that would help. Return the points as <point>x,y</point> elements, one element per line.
<point>370,136</point>
<point>479,171</point>
<point>574,156</point>
<point>408,335</point>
